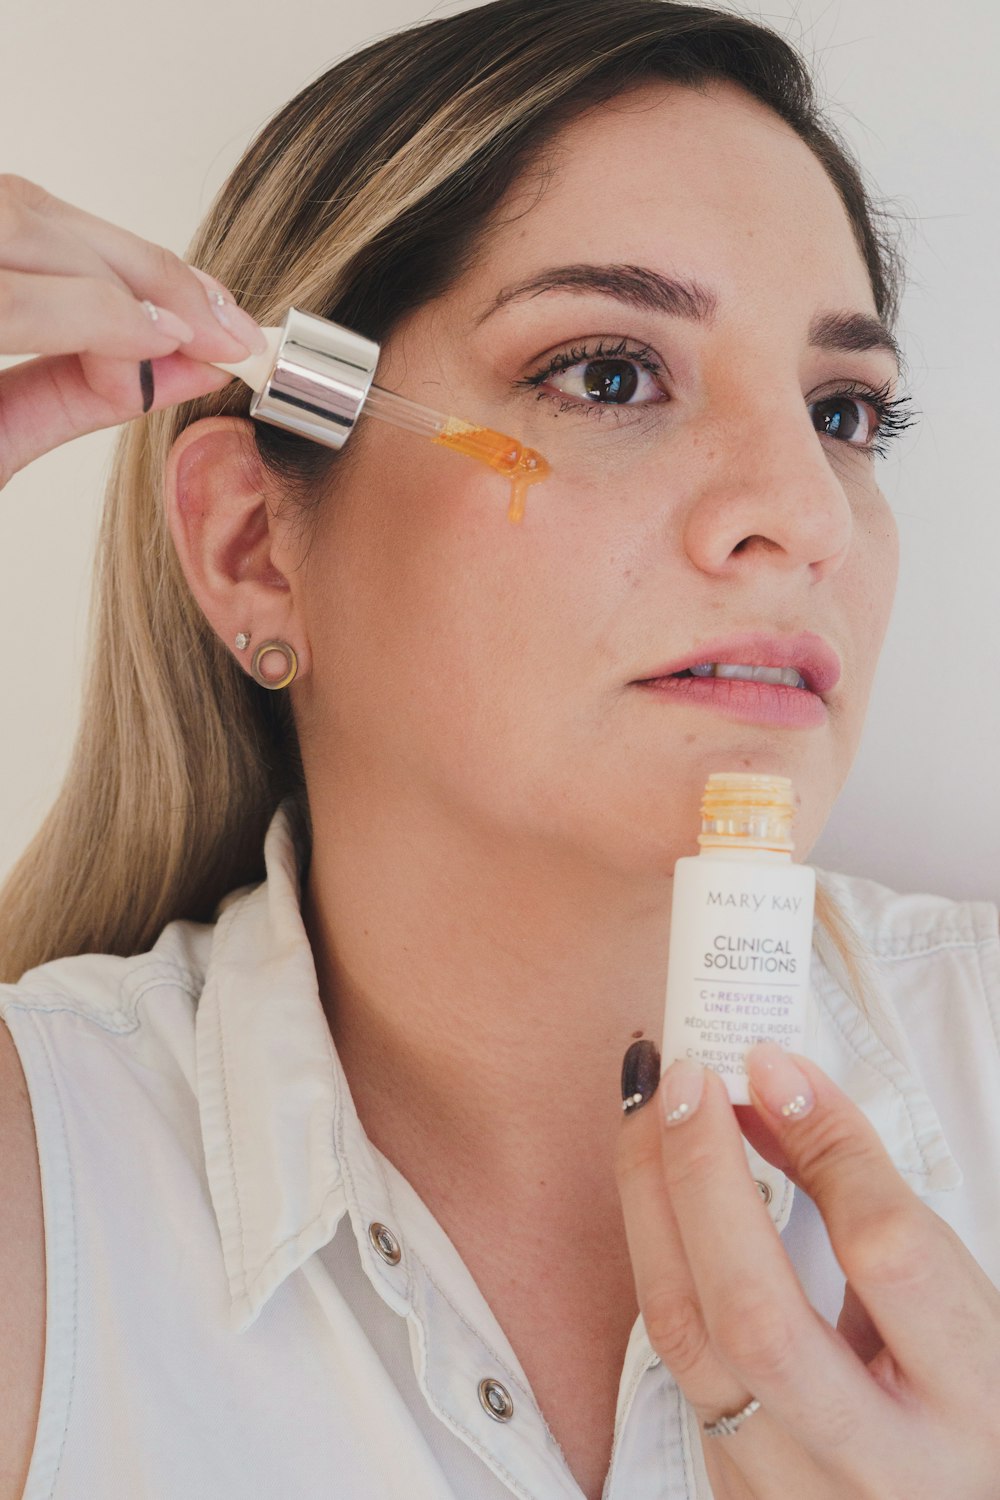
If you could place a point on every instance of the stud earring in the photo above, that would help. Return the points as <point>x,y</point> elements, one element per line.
<point>242,640</point>
<point>291,664</point>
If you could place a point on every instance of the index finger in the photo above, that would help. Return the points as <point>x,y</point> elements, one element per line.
<point>919,1284</point>
<point>755,1309</point>
<point>149,270</point>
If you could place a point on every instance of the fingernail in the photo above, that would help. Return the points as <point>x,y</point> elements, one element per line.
<point>683,1085</point>
<point>640,1075</point>
<point>233,319</point>
<point>167,322</point>
<point>779,1082</point>
<point>146,385</point>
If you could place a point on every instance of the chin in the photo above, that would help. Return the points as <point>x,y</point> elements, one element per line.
<point>647,817</point>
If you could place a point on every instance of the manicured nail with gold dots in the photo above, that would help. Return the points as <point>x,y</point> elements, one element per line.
<point>779,1082</point>
<point>683,1085</point>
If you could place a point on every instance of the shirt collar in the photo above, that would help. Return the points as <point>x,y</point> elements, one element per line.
<point>286,1155</point>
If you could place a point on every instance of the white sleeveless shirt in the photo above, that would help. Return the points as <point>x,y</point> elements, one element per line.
<point>246,1301</point>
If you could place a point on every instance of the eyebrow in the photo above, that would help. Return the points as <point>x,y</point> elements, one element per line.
<point>639,286</point>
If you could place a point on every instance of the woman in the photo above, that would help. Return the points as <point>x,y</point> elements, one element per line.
<point>334,1198</point>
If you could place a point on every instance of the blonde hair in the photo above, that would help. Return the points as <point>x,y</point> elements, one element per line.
<point>363,198</point>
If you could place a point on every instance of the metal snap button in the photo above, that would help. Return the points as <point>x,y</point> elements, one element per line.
<point>385,1243</point>
<point>495,1400</point>
<point>764,1189</point>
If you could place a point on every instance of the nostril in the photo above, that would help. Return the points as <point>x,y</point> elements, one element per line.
<point>768,543</point>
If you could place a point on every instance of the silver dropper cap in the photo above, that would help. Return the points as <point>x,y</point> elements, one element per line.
<point>321,376</point>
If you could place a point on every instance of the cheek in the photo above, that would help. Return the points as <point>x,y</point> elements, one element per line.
<point>431,616</point>
<point>866,587</point>
<point>878,570</point>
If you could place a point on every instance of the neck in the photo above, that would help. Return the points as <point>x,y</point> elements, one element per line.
<point>481,992</point>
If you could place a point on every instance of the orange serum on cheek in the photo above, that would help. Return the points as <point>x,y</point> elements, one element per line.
<point>522,466</point>
<point>315,378</point>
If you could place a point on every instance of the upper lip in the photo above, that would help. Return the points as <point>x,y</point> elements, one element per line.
<point>809,654</point>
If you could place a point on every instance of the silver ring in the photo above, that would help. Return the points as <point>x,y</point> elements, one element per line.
<point>723,1426</point>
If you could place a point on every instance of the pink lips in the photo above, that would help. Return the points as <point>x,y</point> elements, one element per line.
<point>755,702</point>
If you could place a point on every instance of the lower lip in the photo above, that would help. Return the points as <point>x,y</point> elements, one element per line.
<point>746,702</point>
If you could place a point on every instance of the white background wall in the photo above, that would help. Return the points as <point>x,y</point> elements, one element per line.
<point>138,113</point>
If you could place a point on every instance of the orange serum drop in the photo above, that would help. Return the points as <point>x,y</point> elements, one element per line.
<point>315,378</point>
<point>521,465</point>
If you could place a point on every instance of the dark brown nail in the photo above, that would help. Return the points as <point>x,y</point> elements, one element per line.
<point>146,383</point>
<point>640,1075</point>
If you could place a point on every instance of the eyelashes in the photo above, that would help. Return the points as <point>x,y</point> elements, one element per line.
<point>892,415</point>
<point>616,349</point>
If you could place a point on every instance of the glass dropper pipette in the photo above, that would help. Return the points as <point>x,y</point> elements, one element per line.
<point>315,378</point>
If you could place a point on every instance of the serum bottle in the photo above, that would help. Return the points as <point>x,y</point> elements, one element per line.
<point>741,932</point>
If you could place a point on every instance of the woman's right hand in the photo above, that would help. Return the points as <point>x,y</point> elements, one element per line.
<point>74,291</point>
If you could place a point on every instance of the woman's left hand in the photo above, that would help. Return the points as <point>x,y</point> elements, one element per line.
<point>900,1402</point>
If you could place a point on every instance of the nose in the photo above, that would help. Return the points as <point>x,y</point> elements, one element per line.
<point>769,494</point>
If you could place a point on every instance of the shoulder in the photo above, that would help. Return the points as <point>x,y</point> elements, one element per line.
<point>921,1054</point>
<point>100,1033</point>
<point>104,988</point>
<point>932,965</point>
<point>74,1037</point>
<point>931,961</point>
<point>897,925</point>
<point>22,1273</point>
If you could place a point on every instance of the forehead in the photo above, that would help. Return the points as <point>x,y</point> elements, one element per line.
<point>704,181</point>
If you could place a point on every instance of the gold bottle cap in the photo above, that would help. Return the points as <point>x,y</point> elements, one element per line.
<point>746,810</point>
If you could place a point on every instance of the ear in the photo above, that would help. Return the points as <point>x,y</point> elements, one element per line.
<point>237,557</point>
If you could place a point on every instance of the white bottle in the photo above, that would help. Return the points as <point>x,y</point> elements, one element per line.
<point>741,932</point>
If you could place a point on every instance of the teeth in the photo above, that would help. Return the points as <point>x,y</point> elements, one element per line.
<point>784,676</point>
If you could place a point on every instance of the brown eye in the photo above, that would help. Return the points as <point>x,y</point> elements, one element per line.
<point>606,382</point>
<point>610,380</point>
<point>843,417</point>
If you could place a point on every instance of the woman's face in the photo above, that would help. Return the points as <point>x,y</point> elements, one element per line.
<point>506,676</point>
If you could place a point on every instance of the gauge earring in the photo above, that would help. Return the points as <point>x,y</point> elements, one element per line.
<point>266,648</point>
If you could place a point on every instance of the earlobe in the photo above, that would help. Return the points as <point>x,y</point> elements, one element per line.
<point>227,539</point>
